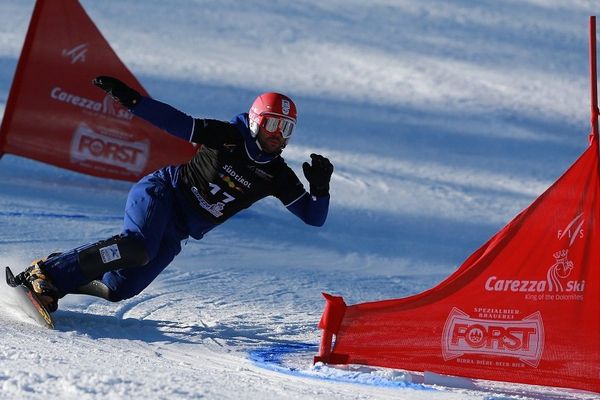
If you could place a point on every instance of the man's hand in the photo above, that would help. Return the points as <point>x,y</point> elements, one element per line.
<point>119,91</point>
<point>318,175</point>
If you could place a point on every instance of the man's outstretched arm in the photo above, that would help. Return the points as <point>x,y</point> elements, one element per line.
<point>157,113</point>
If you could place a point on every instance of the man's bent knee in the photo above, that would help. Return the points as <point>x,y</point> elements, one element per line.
<point>121,251</point>
<point>120,288</point>
<point>98,288</point>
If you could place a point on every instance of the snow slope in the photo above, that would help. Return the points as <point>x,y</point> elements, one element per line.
<point>443,121</point>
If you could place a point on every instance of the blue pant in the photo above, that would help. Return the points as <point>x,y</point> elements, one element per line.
<point>158,214</point>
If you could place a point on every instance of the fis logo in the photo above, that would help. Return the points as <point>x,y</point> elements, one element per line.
<point>557,275</point>
<point>523,339</point>
<point>88,145</point>
<point>77,53</point>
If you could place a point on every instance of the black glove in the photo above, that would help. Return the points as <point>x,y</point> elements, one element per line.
<point>318,175</point>
<point>119,91</point>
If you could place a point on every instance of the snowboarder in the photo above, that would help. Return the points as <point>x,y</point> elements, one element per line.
<point>238,163</point>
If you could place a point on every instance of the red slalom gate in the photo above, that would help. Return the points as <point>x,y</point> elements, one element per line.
<point>525,307</point>
<point>55,115</point>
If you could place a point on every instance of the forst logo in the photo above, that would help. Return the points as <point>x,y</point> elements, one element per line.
<point>523,339</point>
<point>477,335</point>
<point>88,145</point>
<point>109,150</point>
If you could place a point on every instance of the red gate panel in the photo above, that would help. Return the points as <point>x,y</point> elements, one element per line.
<point>55,115</point>
<point>525,307</point>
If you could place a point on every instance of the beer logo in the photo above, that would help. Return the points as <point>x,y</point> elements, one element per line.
<point>77,53</point>
<point>523,340</point>
<point>89,146</point>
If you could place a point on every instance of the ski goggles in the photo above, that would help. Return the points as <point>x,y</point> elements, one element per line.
<point>274,124</point>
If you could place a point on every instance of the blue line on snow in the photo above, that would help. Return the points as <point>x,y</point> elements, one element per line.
<point>61,216</point>
<point>272,358</point>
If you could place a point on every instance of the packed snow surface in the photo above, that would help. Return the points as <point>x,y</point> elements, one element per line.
<point>443,120</point>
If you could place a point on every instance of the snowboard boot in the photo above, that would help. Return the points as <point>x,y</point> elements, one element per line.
<point>34,278</point>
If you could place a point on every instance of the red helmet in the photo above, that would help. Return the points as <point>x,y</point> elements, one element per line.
<point>275,113</point>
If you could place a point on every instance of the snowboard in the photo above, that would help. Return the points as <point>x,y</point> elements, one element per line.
<point>29,302</point>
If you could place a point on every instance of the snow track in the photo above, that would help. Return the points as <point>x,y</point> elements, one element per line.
<point>150,348</point>
<point>442,121</point>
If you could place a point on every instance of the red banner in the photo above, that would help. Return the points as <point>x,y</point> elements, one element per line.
<point>524,308</point>
<point>55,115</point>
